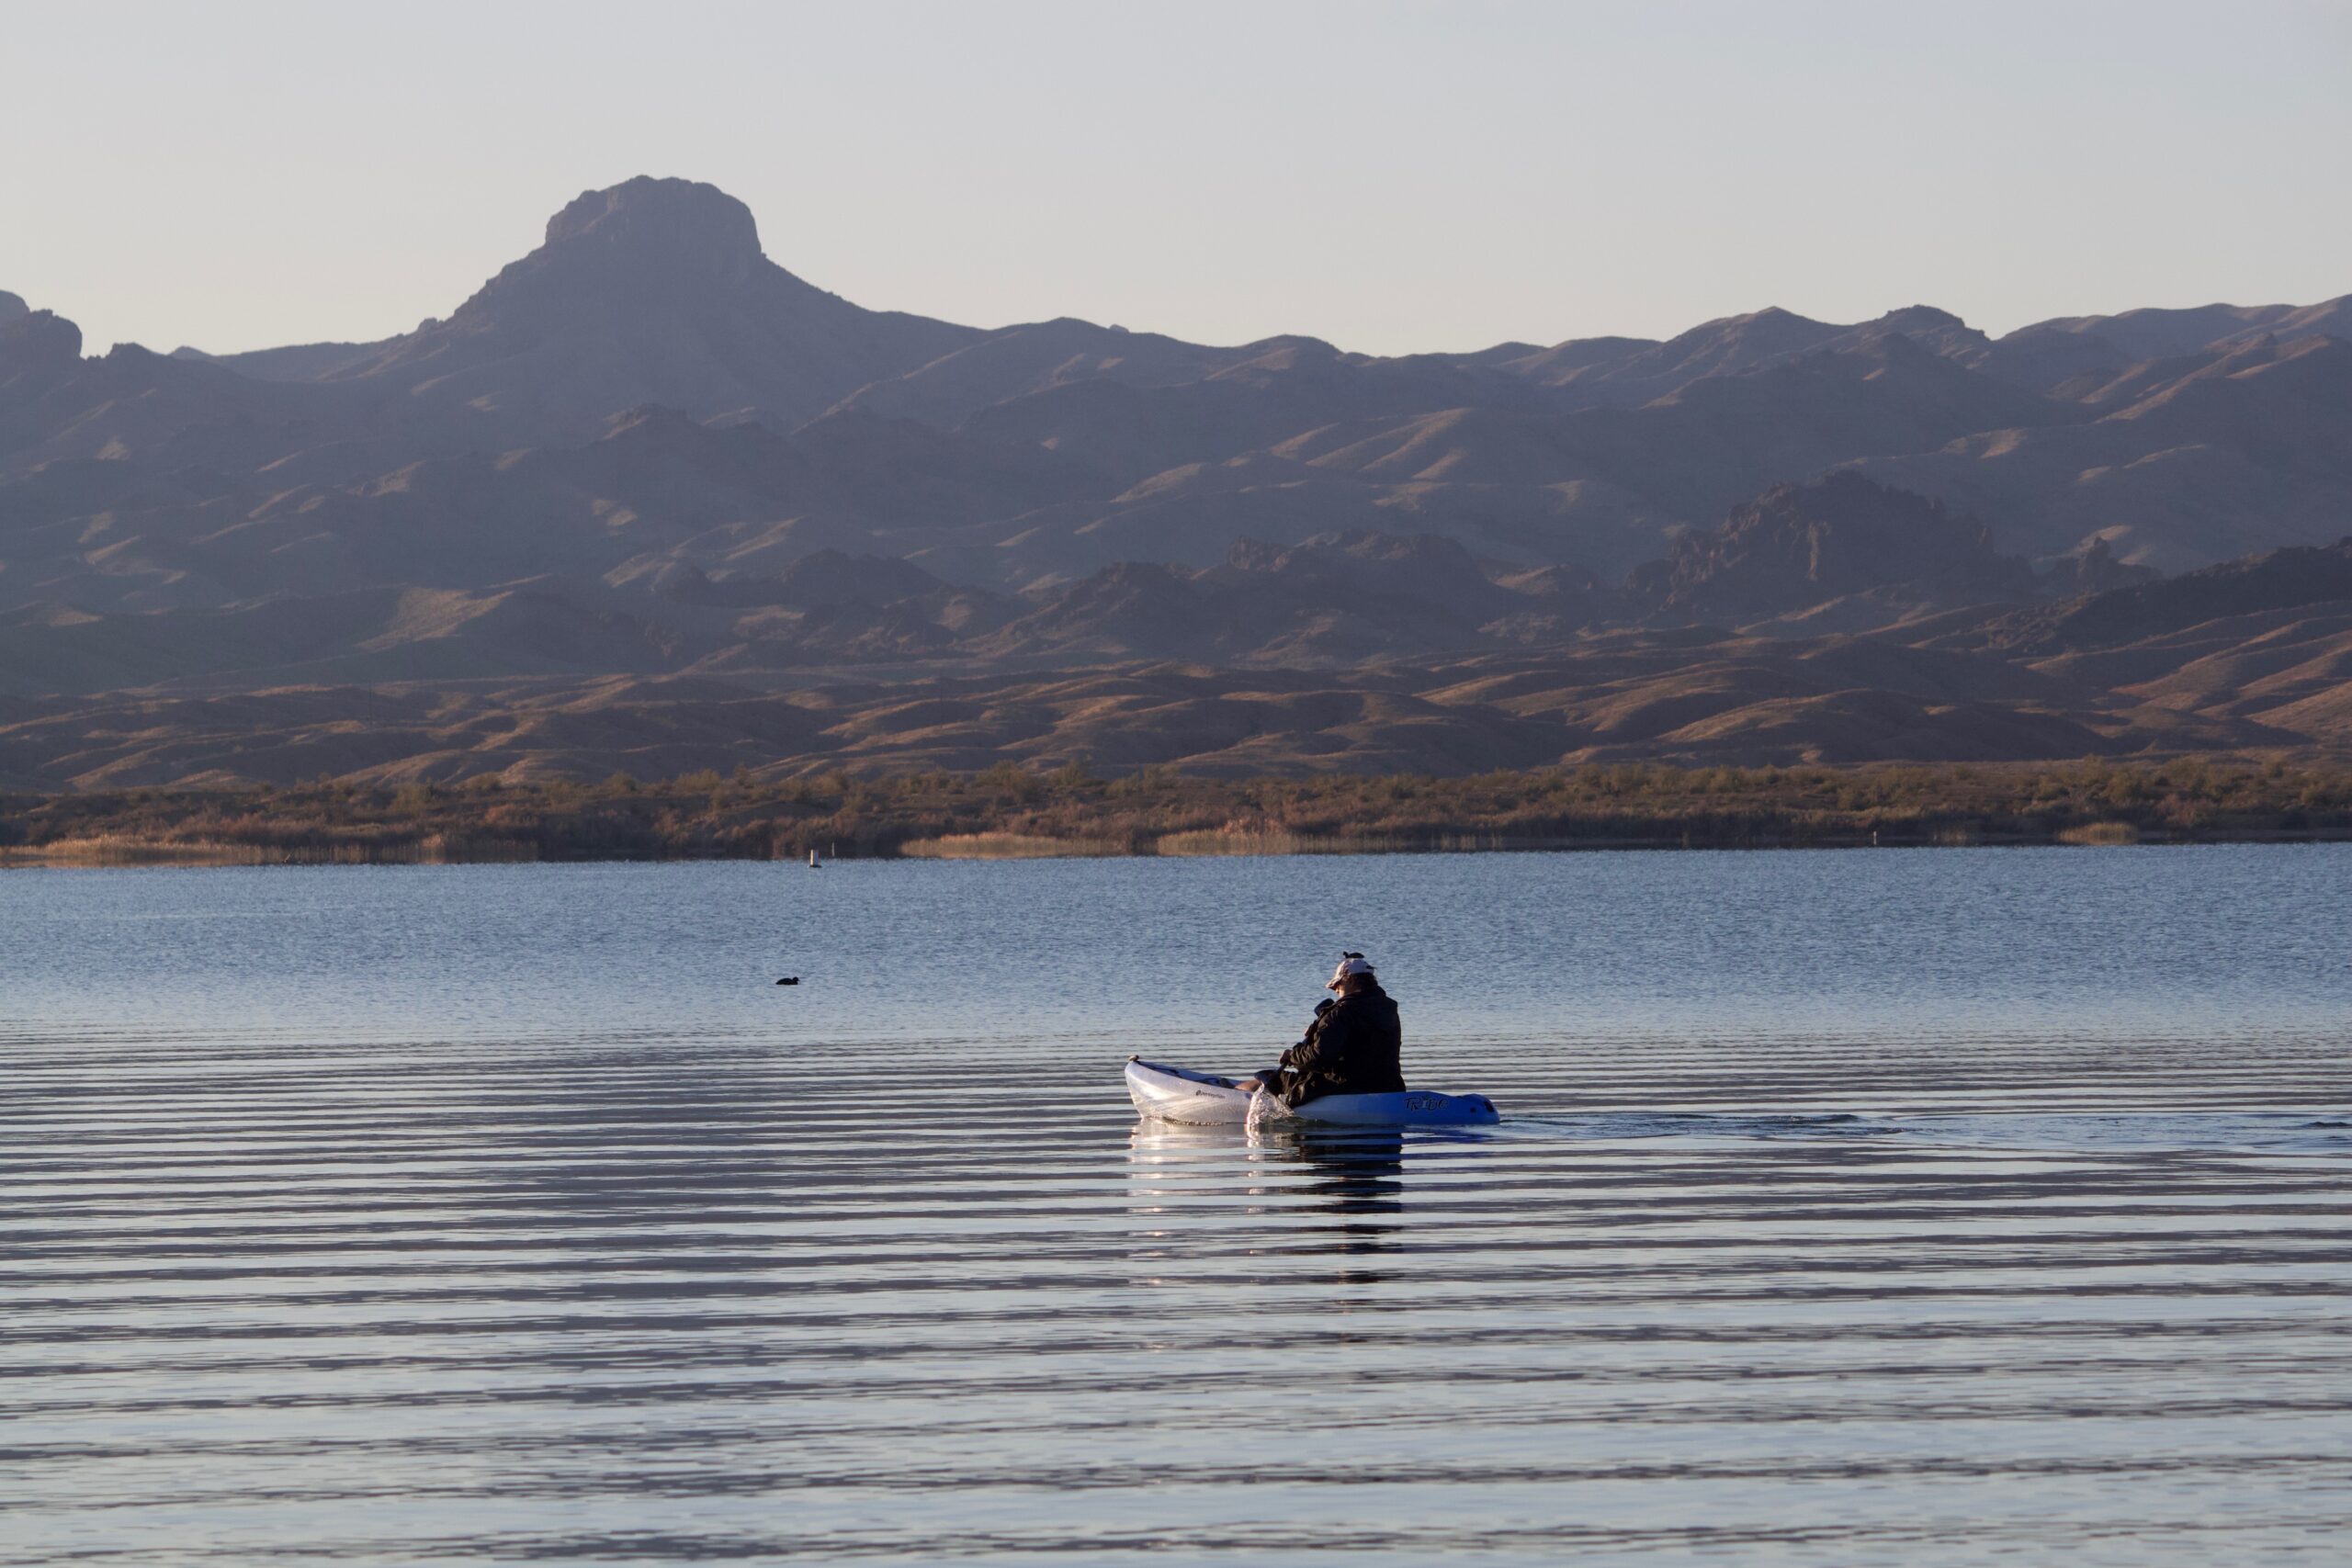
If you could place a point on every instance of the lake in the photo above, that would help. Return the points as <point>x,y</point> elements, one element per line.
<point>1956,1206</point>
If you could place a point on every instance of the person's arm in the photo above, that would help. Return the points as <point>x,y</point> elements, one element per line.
<point>1295,1056</point>
<point>1324,1045</point>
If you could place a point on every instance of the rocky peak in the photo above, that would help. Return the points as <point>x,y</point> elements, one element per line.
<point>1921,318</point>
<point>12,306</point>
<point>1920,328</point>
<point>679,229</point>
<point>36,340</point>
<point>642,240</point>
<point>652,291</point>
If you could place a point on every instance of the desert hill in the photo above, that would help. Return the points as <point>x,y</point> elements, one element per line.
<point>1362,652</point>
<point>2290,579</point>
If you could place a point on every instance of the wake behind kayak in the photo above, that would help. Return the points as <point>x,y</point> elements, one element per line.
<point>1178,1094</point>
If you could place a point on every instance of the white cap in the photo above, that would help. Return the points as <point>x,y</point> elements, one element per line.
<point>1353,963</point>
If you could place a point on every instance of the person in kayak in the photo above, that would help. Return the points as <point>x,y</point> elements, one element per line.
<point>1353,1047</point>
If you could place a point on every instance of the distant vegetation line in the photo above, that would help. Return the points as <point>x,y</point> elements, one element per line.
<point>1011,812</point>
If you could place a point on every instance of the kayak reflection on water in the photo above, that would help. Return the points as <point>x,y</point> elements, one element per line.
<point>1354,1174</point>
<point>1355,1044</point>
<point>1356,1171</point>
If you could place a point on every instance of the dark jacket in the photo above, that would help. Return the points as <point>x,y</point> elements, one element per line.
<point>1352,1048</point>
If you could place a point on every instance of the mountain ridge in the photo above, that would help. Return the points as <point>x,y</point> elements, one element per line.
<point>645,451</point>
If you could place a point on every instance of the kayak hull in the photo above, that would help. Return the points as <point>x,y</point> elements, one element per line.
<point>1178,1094</point>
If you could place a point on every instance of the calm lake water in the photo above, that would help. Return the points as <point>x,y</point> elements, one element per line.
<point>1931,1207</point>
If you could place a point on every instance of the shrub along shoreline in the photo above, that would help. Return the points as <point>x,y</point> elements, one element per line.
<point>1013,812</point>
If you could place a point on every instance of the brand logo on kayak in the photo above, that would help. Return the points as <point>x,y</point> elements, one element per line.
<point>1425,1102</point>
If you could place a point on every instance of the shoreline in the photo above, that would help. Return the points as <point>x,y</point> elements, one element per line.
<point>194,858</point>
<point>1008,813</point>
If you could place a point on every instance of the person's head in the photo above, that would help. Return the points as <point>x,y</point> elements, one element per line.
<point>1353,974</point>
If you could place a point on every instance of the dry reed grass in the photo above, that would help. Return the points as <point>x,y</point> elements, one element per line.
<point>2100,833</point>
<point>1232,842</point>
<point>1009,846</point>
<point>109,849</point>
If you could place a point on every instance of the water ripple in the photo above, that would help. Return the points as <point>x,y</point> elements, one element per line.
<point>728,1292</point>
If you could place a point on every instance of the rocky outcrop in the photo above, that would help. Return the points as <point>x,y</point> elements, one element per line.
<point>2276,580</point>
<point>36,343</point>
<point>1800,545</point>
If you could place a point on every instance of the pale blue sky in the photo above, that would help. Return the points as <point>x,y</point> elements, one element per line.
<point>1393,178</point>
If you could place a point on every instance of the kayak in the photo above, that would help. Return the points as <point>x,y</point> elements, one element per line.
<point>1178,1094</point>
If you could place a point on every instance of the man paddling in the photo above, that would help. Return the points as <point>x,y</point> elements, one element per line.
<point>1353,1047</point>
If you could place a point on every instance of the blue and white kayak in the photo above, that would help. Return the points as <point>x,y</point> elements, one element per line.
<point>1178,1094</point>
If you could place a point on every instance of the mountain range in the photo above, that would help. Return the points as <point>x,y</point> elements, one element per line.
<point>647,498</point>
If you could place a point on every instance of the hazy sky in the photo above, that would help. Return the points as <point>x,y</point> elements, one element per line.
<point>1393,178</point>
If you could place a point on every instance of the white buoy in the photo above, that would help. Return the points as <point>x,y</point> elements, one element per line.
<point>814,863</point>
